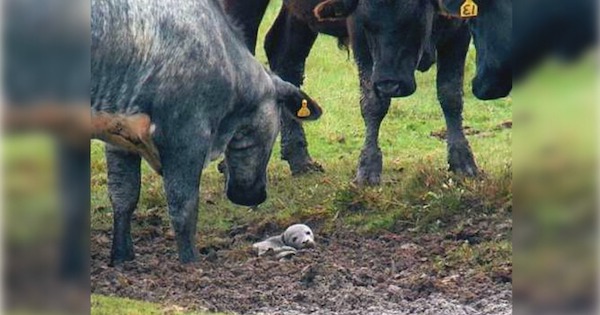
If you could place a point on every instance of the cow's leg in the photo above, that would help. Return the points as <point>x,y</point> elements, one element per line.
<point>124,180</point>
<point>182,159</point>
<point>450,76</point>
<point>288,44</point>
<point>248,14</point>
<point>373,110</point>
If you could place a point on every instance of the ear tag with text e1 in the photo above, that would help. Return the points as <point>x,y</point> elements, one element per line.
<point>303,112</point>
<point>468,9</point>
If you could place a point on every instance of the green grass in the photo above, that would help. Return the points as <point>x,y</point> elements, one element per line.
<point>103,305</point>
<point>417,193</point>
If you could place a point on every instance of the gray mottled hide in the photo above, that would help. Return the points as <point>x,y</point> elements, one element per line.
<point>297,236</point>
<point>184,65</point>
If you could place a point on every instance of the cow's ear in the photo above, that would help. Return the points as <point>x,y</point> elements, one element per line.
<point>295,102</point>
<point>335,9</point>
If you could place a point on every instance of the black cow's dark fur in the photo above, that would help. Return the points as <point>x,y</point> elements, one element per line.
<point>545,28</point>
<point>412,34</point>
<point>492,37</point>
<point>510,46</point>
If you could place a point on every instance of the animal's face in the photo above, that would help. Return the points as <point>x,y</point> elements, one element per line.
<point>248,152</point>
<point>394,33</point>
<point>492,36</point>
<point>299,236</point>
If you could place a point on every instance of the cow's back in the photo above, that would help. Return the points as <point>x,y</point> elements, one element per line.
<point>149,53</point>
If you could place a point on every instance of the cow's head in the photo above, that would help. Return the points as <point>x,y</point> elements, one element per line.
<point>492,36</point>
<point>248,152</point>
<point>396,33</point>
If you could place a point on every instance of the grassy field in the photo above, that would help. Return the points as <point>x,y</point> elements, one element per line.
<point>417,194</point>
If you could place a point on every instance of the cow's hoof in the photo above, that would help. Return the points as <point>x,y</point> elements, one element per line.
<point>370,167</point>
<point>188,256</point>
<point>461,161</point>
<point>306,167</point>
<point>367,178</point>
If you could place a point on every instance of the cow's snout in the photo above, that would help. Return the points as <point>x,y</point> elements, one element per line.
<point>394,88</point>
<point>247,196</point>
<point>485,88</point>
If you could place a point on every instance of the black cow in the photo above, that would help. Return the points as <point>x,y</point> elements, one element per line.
<point>508,47</point>
<point>492,33</point>
<point>173,81</point>
<point>551,28</point>
<point>388,39</point>
<point>385,35</point>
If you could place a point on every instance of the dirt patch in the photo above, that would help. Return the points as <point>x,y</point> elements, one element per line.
<point>504,125</point>
<point>441,134</point>
<point>469,131</point>
<point>346,274</point>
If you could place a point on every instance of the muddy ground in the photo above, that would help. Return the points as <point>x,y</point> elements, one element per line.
<point>347,274</point>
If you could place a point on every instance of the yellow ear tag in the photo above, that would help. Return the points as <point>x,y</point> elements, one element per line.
<point>303,112</point>
<point>468,9</point>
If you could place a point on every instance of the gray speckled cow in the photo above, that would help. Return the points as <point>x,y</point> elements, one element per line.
<point>173,82</point>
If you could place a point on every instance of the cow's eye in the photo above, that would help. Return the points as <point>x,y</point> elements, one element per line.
<point>294,239</point>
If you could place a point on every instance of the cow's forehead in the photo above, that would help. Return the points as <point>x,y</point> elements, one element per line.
<point>452,5</point>
<point>399,8</point>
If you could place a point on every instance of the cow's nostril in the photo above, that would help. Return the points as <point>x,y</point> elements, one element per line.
<point>388,88</point>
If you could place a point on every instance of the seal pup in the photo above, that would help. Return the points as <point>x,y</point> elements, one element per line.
<point>295,237</point>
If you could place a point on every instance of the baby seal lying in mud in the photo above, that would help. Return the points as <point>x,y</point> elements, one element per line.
<point>295,237</point>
